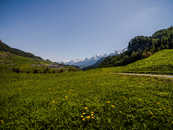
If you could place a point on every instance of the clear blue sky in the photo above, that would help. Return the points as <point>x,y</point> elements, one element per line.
<point>68,29</point>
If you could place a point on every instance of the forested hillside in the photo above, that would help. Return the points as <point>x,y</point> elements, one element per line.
<point>141,47</point>
<point>159,63</point>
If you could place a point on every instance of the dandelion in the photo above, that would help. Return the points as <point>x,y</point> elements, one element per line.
<point>158,103</point>
<point>108,102</point>
<point>81,116</point>
<point>92,114</point>
<point>86,108</point>
<point>93,117</point>
<point>88,117</point>
<point>1,122</point>
<point>113,106</point>
<point>66,97</point>
<point>150,113</point>
<point>53,102</point>
<point>83,113</point>
<point>83,119</point>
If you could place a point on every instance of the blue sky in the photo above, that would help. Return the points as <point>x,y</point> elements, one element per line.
<point>68,29</point>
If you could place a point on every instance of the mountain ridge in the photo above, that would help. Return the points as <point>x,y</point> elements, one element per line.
<point>86,62</point>
<point>6,48</point>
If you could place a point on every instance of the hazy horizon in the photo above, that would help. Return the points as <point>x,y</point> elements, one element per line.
<point>61,31</point>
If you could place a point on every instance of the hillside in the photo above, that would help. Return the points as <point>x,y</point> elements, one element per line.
<point>160,62</point>
<point>141,47</point>
<point>4,47</point>
<point>19,61</point>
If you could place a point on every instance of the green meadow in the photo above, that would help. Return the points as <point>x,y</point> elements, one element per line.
<point>159,63</point>
<point>94,99</point>
<point>90,70</point>
<point>10,62</point>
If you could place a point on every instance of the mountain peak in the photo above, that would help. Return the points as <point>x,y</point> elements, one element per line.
<point>82,63</point>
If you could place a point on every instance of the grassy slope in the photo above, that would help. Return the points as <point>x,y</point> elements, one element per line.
<point>9,58</point>
<point>26,64</point>
<point>161,62</point>
<point>65,101</point>
<point>4,47</point>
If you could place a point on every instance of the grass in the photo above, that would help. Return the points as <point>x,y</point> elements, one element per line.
<point>95,99</point>
<point>9,58</point>
<point>159,63</point>
<point>11,62</point>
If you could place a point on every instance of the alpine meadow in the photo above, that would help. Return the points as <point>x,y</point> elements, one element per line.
<point>131,89</point>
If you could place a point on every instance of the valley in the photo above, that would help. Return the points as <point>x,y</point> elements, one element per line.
<point>131,90</point>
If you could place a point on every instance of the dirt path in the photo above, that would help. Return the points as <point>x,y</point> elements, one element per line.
<point>148,75</point>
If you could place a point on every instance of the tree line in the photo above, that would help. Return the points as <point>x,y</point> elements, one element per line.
<point>141,47</point>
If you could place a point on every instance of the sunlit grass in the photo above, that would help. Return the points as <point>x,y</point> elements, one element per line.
<point>159,63</point>
<point>95,99</point>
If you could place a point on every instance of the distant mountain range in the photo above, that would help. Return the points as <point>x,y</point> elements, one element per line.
<point>82,63</point>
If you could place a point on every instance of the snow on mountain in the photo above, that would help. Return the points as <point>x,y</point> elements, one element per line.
<point>89,61</point>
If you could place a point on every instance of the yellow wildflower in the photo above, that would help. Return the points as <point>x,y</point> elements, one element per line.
<point>86,108</point>
<point>53,101</point>
<point>88,117</point>
<point>108,102</point>
<point>150,113</point>
<point>83,113</point>
<point>66,97</point>
<point>83,119</point>
<point>1,122</point>
<point>158,103</point>
<point>93,117</point>
<point>81,116</point>
<point>92,112</point>
<point>113,106</point>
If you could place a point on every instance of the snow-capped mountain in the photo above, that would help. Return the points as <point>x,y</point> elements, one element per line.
<point>89,61</point>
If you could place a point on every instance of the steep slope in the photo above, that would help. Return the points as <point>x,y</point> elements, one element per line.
<point>141,47</point>
<point>161,62</point>
<point>9,58</point>
<point>6,48</point>
<point>20,61</point>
